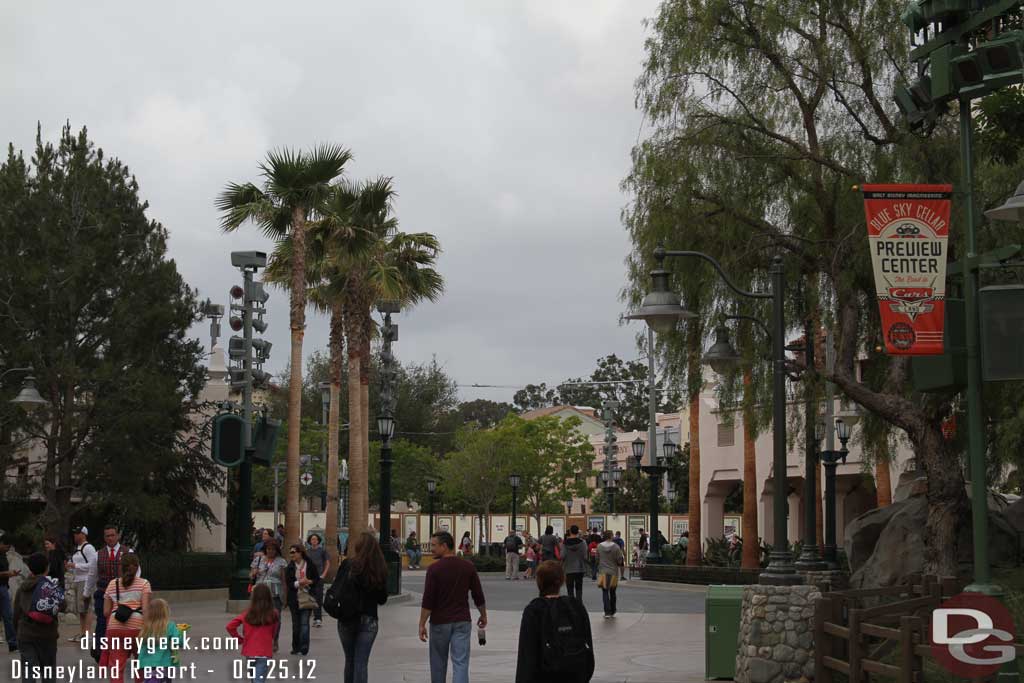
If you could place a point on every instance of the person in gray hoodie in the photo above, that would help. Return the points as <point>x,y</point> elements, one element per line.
<point>574,562</point>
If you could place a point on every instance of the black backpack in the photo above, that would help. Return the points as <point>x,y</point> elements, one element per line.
<point>344,600</point>
<point>564,646</point>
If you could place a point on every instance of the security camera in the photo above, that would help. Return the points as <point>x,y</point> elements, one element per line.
<point>248,259</point>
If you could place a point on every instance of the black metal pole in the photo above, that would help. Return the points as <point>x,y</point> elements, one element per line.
<point>513,525</point>
<point>610,494</point>
<point>385,492</point>
<point>780,570</point>
<point>239,589</point>
<point>830,460</point>
<point>431,515</point>
<point>809,559</point>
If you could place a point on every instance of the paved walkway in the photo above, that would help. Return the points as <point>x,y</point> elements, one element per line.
<point>641,645</point>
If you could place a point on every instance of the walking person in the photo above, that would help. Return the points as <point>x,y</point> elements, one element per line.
<point>622,546</point>
<point>412,550</point>
<point>269,570</point>
<point>56,557</point>
<point>570,638</point>
<point>318,555</point>
<point>260,624</point>
<point>449,582</point>
<point>107,569</point>
<point>6,573</point>
<point>301,578</point>
<point>360,586</point>
<point>531,559</point>
<point>465,545</point>
<point>82,564</point>
<point>36,639</point>
<point>125,604</point>
<point>592,552</point>
<point>574,562</point>
<point>512,545</point>
<point>643,548</point>
<point>159,640</point>
<point>609,557</point>
<point>548,544</point>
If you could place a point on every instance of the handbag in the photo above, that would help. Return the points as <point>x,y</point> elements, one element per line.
<point>123,612</point>
<point>305,600</point>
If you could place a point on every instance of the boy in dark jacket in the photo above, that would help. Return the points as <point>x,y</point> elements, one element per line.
<point>37,642</point>
<point>575,558</point>
<point>577,664</point>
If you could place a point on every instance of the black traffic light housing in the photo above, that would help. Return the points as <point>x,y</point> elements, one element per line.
<point>265,441</point>
<point>228,439</point>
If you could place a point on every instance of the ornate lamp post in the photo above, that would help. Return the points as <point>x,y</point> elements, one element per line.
<point>654,471</point>
<point>431,489</point>
<point>513,481</point>
<point>662,311</point>
<point>386,430</point>
<point>830,459</point>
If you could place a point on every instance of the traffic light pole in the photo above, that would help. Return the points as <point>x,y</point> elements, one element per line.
<point>975,426</point>
<point>239,589</point>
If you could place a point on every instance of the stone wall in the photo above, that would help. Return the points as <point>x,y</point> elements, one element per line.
<point>776,641</point>
<point>827,580</point>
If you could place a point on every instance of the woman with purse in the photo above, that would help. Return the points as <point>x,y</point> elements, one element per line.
<point>269,569</point>
<point>302,578</point>
<point>125,603</point>
<point>609,559</point>
<point>362,585</point>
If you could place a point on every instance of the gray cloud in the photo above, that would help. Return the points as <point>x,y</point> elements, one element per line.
<point>507,128</point>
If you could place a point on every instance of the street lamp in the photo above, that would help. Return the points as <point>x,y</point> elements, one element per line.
<point>513,481</point>
<point>386,430</point>
<point>656,312</point>
<point>431,489</point>
<point>28,398</point>
<point>611,474</point>
<point>654,471</point>
<point>830,459</point>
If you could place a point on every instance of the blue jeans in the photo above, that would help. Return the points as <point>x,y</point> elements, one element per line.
<point>414,557</point>
<point>97,607</point>
<point>453,637</point>
<point>300,629</point>
<point>260,667</point>
<point>608,597</point>
<point>357,640</point>
<point>8,617</point>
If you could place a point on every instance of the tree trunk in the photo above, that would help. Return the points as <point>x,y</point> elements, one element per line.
<point>696,545</point>
<point>293,520</point>
<point>947,500</point>
<point>337,334</point>
<point>359,484</point>
<point>883,482</point>
<point>751,545</point>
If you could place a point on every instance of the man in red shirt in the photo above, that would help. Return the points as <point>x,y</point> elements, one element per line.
<point>450,581</point>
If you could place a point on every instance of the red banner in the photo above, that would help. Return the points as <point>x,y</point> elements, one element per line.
<point>908,229</point>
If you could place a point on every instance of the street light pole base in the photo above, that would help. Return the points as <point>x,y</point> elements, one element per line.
<point>809,561</point>
<point>780,571</point>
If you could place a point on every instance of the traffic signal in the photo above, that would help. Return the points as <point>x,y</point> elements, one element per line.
<point>265,441</point>
<point>228,439</point>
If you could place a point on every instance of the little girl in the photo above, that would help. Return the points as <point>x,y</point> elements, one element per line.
<point>159,636</point>
<point>259,623</point>
<point>531,561</point>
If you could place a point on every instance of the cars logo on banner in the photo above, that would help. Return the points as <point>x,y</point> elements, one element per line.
<point>908,231</point>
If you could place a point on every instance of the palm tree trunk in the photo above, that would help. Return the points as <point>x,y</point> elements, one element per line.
<point>337,334</point>
<point>883,482</point>
<point>751,546</point>
<point>293,521</point>
<point>358,502</point>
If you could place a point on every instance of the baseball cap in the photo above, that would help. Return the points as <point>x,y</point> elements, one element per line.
<point>80,530</point>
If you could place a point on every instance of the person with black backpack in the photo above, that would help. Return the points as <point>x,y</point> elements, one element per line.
<point>555,643</point>
<point>359,587</point>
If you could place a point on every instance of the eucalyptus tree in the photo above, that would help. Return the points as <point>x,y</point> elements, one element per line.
<point>295,188</point>
<point>763,116</point>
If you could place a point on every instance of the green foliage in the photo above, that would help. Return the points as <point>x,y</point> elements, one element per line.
<point>493,563</point>
<point>413,466</point>
<point>632,394</point>
<point>92,302</point>
<point>483,412</point>
<point>186,571</point>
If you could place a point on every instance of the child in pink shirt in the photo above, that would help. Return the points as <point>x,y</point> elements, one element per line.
<point>258,623</point>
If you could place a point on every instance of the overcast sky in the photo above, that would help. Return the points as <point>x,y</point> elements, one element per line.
<point>507,127</point>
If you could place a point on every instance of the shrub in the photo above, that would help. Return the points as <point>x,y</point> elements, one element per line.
<point>184,571</point>
<point>492,563</point>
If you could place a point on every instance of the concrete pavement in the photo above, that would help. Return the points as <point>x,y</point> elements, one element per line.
<point>643,644</point>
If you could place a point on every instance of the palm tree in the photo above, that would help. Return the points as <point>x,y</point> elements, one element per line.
<point>296,186</point>
<point>751,546</point>
<point>376,263</point>
<point>695,380</point>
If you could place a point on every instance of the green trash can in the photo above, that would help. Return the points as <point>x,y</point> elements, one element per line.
<point>722,608</point>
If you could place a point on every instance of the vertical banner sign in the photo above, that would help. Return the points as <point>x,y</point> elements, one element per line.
<point>908,230</point>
